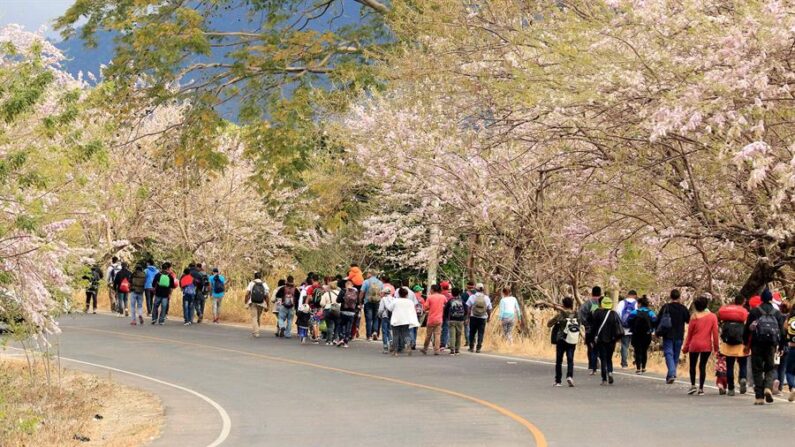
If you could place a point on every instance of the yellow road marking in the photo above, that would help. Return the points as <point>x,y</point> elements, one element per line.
<point>538,435</point>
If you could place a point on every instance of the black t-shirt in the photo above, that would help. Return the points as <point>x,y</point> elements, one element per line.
<point>160,291</point>
<point>680,316</point>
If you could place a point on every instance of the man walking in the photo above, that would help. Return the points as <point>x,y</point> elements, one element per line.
<point>202,289</point>
<point>456,311</point>
<point>122,283</point>
<point>480,308</point>
<point>385,315</point>
<point>218,287</point>
<point>256,299</point>
<point>288,297</point>
<point>764,331</point>
<point>584,314</point>
<point>624,308</point>
<point>110,278</point>
<point>434,305</point>
<point>671,327</point>
<point>371,296</point>
<point>567,334</point>
<point>164,283</point>
<point>94,278</point>
<point>187,282</point>
<point>149,288</point>
<point>137,295</point>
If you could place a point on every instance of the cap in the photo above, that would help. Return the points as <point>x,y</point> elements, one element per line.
<point>417,288</point>
<point>607,303</point>
<point>479,285</point>
<point>445,285</point>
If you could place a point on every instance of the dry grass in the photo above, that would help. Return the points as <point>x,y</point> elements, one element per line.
<point>33,413</point>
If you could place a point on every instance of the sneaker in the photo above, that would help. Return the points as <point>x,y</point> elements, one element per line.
<point>385,351</point>
<point>154,322</point>
<point>693,390</point>
<point>161,323</point>
<point>701,392</point>
<point>670,380</point>
<point>759,402</point>
<point>721,390</point>
<point>592,373</point>
<point>187,323</point>
<point>95,312</point>
<point>791,396</point>
<point>570,381</point>
<point>424,351</point>
<point>436,353</point>
<point>557,384</point>
<point>768,395</point>
<point>604,383</point>
<point>610,378</point>
<point>776,387</point>
<point>126,313</point>
<point>85,311</point>
<point>140,319</point>
<point>730,393</point>
<point>345,345</point>
<point>133,323</point>
<point>743,386</point>
<point>256,335</point>
<point>637,371</point>
<point>643,371</point>
<point>470,349</point>
<point>477,351</point>
<point>199,320</point>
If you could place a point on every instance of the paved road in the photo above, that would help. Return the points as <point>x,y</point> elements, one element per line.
<point>276,392</point>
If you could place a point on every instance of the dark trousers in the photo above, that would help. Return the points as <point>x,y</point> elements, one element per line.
<point>401,338</point>
<point>477,328</point>
<point>372,324</point>
<point>640,343</point>
<point>445,332</point>
<point>593,357</point>
<point>742,362</point>
<point>160,309</point>
<point>149,297</point>
<point>344,332</point>
<point>564,348</point>
<point>188,303</point>
<point>762,367</point>
<point>198,303</point>
<point>699,359</point>
<point>91,297</point>
<point>605,353</point>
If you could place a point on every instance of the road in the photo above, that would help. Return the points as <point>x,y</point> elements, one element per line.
<point>220,386</point>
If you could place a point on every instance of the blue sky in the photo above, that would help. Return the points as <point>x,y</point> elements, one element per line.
<point>32,13</point>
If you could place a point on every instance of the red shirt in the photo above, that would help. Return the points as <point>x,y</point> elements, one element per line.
<point>435,307</point>
<point>702,333</point>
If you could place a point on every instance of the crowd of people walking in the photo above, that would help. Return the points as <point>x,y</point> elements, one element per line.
<point>757,333</point>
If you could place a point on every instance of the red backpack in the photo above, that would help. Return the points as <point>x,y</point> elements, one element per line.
<point>124,286</point>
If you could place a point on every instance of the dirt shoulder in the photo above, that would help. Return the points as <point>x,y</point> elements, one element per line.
<point>75,409</point>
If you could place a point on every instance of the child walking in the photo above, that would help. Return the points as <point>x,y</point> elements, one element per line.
<point>303,318</point>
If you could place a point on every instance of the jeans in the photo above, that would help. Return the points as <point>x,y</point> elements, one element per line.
<point>198,305</point>
<point>564,348</point>
<point>286,320</point>
<point>605,353</point>
<point>386,333</point>
<point>625,341</point>
<point>149,295</point>
<point>216,307</point>
<point>477,327</point>
<point>136,305</point>
<point>346,322</point>
<point>371,320</point>
<point>780,372</point>
<point>762,367</point>
<point>402,337</point>
<point>91,295</point>
<point>445,332</point>
<point>456,334</point>
<point>256,313</point>
<point>121,302</point>
<point>413,337</point>
<point>434,331</point>
<point>742,362</point>
<point>507,328</point>
<point>790,369</point>
<point>699,359</point>
<point>593,357</point>
<point>671,349</point>
<point>160,307</point>
<point>354,329</point>
<point>188,301</point>
<point>640,343</point>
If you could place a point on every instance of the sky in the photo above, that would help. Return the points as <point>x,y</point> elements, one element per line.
<point>32,14</point>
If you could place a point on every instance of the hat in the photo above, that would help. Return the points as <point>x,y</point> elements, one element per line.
<point>767,296</point>
<point>755,301</point>
<point>417,288</point>
<point>479,286</point>
<point>607,303</point>
<point>445,285</point>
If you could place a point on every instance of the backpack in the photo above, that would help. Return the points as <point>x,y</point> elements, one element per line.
<point>317,296</point>
<point>164,280</point>
<point>625,313</point>
<point>791,329</point>
<point>642,322</point>
<point>258,293</point>
<point>374,292</point>
<point>457,309</point>
<point>124,286</point>
<point>666,324</point>
<point>218,286</point>
<point>571,330</point>
<point>334,310</point>
<point>732,332</point>
<point>188,284</point>
<point>350,299</point>
<point>766,329</point>
<point>480,307</point>
<point>289,297</point>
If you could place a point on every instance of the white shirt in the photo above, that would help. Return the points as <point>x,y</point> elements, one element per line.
<point>620,309</point>
<point>250,287</point>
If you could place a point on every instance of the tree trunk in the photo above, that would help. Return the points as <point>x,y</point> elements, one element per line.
<point>433,256</point>
<point>761,275</point>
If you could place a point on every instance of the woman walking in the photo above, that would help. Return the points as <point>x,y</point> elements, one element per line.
<point>510,314</point>
<point>642,322</point>
<point>702,340</point>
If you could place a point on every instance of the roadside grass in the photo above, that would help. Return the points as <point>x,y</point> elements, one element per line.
<point>35,413</point>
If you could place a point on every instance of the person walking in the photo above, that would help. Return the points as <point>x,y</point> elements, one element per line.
<point>110,278</point>
<point>349,305</point>
<point>789,332</point>
<point>415,295</point>
<point>585,314</point>
<point>641,322</point>
<point>218,288</point>
<point>732,318</point>
<point>149,288</point>
<point>385,315</point>
<point>277,303</point>
<point>137,289</point>
<point>468,291</point>
<point>448,295</point>
<point>702,340</point>
<point>288,297</point>
<point>456,312</point>
<point>256,300</point>
<point>404,318</point>
<point>164,282</point>
<point>671,328</point>
<point>764,331</point>
<point>434,305</point>
<point>202,281</point>
<point>187,282</point>
<point>624,308</point>
<point>371,296</point>
<point>480,308</point>
<point>122,283</point>
<point>510,313</point>
<point>94,277</point>
<point>331,309</point>
<point>606,331</point>
<point>567,333</point>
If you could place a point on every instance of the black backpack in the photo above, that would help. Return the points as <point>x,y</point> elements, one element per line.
<point>766,328</point>
<point>317,296</point>
<point>642,322</point>
<point>218,286</point>
<point>732,333</point>
<point>457,309</point>
<point>258,293</point>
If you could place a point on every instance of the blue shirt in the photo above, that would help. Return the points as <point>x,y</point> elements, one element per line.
<point>371,281</point>
<point>150,271</point>
<point>212,281</point>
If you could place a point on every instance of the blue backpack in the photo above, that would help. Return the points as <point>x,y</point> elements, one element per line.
<point>629,307</point>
